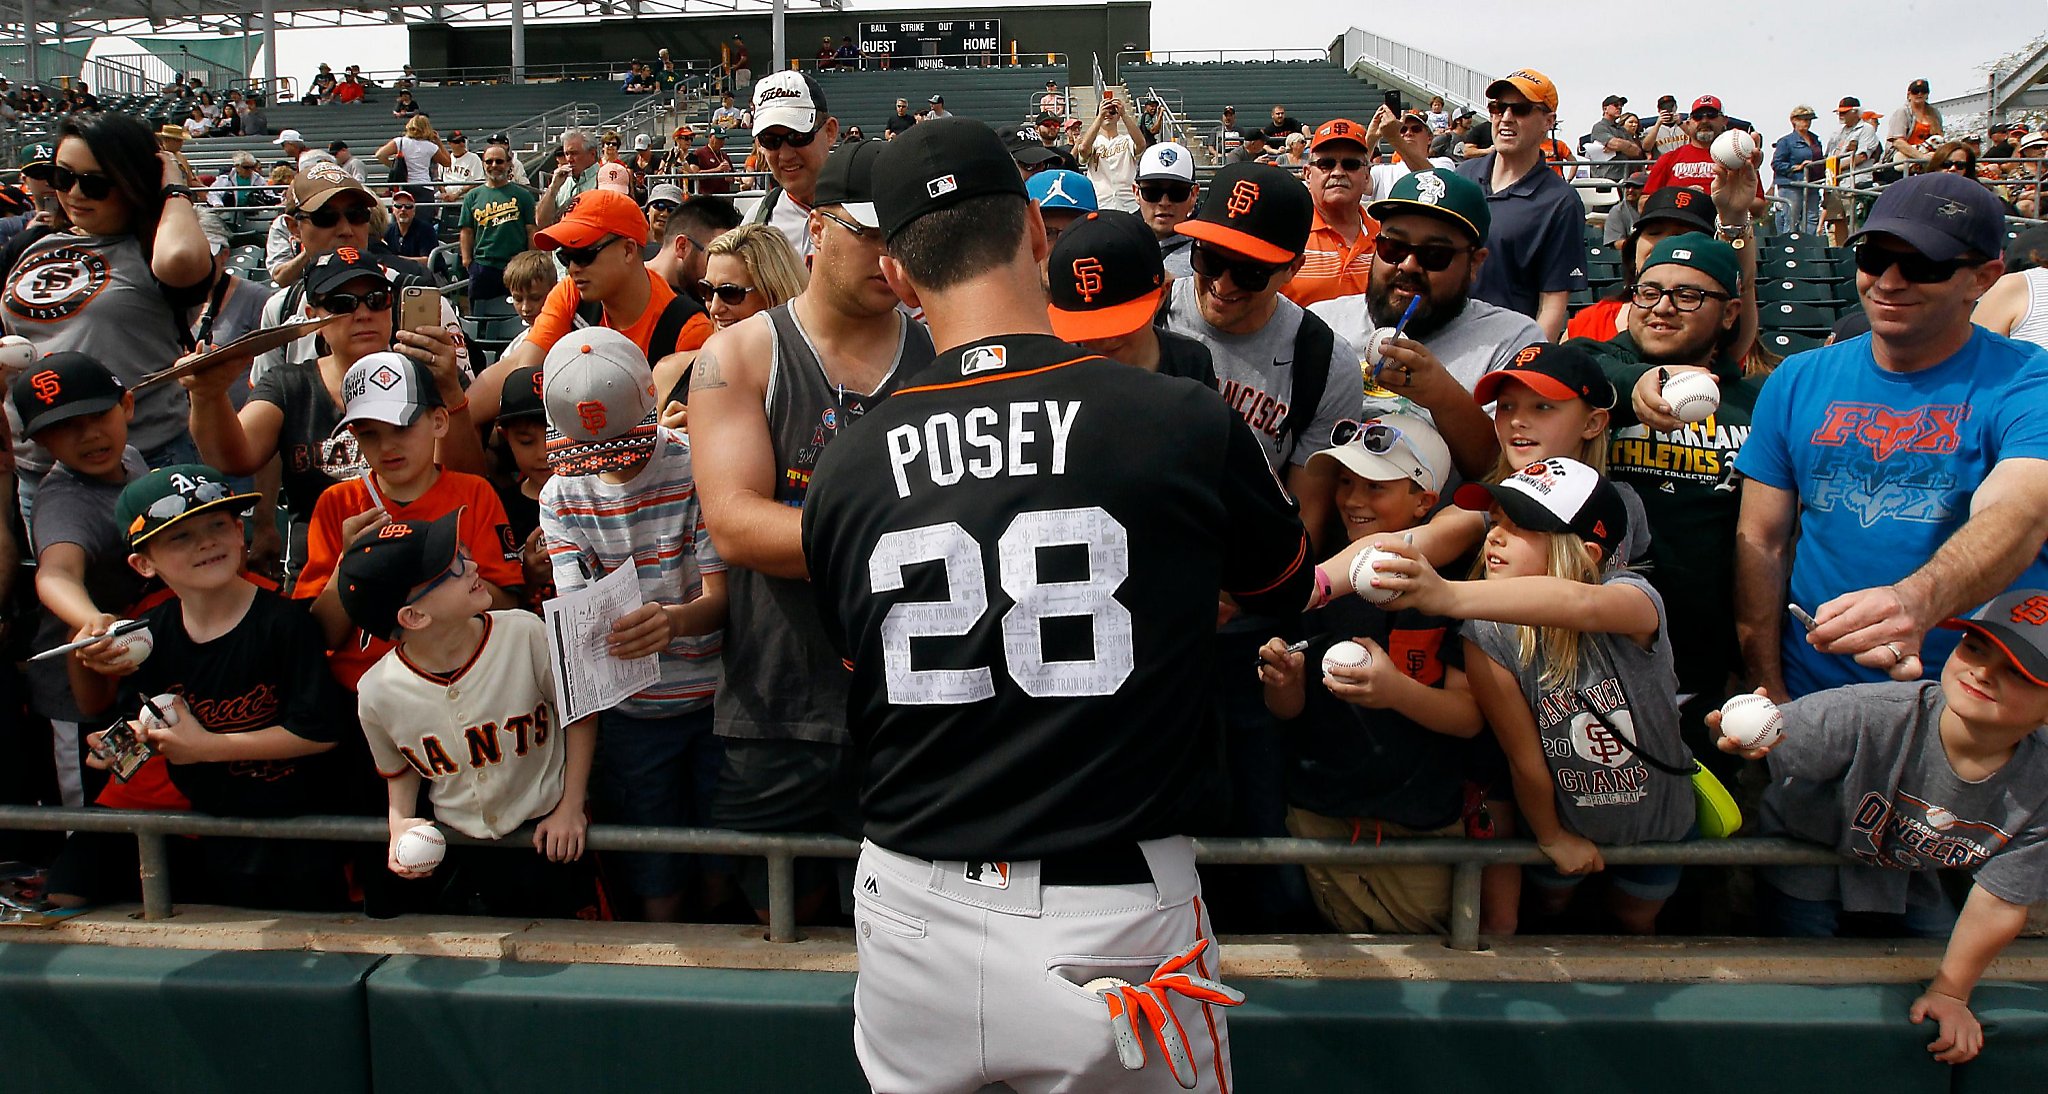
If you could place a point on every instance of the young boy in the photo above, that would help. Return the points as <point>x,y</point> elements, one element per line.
<point>529,278</point>
<point>622,495</point>
<point>1912,777</point>
<point>394,411</point>
<point>1379,750</point>
<point>251,713</point>
<point>523,430</point>
<point>493,751</point>
<point>73,406</point>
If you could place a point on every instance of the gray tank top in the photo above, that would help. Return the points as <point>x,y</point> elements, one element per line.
<point>782,679</point>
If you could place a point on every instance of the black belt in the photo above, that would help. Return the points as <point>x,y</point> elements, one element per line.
<point>1110,864</point>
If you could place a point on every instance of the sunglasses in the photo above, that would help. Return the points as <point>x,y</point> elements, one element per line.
<point>328,218</point>
<point>1705,115</point>
<point>1377,438</point>
<point>95,186</point>
<point>1519,110</point>
<point>457,566</point>
<point>664,206</point>
<point>1246,274</point>
<point>858,230</point>
<point>1913,266</point>
<point>497,163</point>
<point>1331,163</point>
<point>773,142</point>
<point>729,294</point>
<point>1434,257</point>
<point>345,303</point>
<point>173,505</point>
<point>1956,165</point>
<point>1171,192</point>
<point>584,256</point>
<point>40,172</point>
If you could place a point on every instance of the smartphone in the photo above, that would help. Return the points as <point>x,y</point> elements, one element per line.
<point>419,306</point>
<point>1394,102</point>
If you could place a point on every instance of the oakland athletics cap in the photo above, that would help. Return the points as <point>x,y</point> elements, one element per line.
<point>2016,622</point>
<point>1441,193</point>
<point>601,403</point>
<point>379,571</point>
<point>1255,209</point>
<point>935,165</point>
<point>1105,276</point>
<point>1556,495</point>
<point>61,387</point>
<point>164,497</point>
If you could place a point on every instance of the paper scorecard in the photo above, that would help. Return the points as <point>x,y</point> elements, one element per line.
<point>588,678</point>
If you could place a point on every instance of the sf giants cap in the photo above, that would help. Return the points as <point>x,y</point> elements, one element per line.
<point>789,99</point>
<point>61,387</point>
<point>1392,447</point>
<point>1105,276</point>
<point>318,183</point>
<point>1555,370</point>
<point>615,178</point>
<point>1438,192</point>
<point>164,497</point>
<point>1534,86</point>
<point>339,267</point>
<point>847,181</point>
<point>521,399</point>
<point>1941,215</point>
<point>387,387</point>
<point>1255,209</point>
<point>1338,131</point>
<point>2017,623</point>
<point>1166,161</point>
<point>1556,495</point>
<point>1690,207</point>
<point>379,571</point>
<point>938,164</point>
<point>601,403</point>
<point>594,215</point>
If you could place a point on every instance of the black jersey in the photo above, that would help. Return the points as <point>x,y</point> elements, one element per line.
<point>1020,552</point>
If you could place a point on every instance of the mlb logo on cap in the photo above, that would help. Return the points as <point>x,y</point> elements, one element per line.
<point>941,186</point>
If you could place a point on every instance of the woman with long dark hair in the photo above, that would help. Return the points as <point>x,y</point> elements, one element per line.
<point>119,284</point>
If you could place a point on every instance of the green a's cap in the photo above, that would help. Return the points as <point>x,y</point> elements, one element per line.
<point>1441,193</point>
<point>1702,252</point>
<point>168,495</point>
<point>37,154</point>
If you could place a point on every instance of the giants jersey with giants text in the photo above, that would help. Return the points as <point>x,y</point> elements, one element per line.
<point>1020,552</point>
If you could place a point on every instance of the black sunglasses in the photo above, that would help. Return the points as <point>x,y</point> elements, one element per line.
<point>1913,266</point>
<point>1246,274</point>
<point>773,142</point>
<point>663,205</point>
<point>728,293</point>
<point>1433,257</point>
<point>1519,110</point>
<point>40,172</point>
<point>345,303</point>
<point>1157,192</point>
<point>584,256</point>
<point>1331,163</point>
<point>1705,115</point>
<point>328,218</point>
<point>95,186</point>
<point>497,163</point>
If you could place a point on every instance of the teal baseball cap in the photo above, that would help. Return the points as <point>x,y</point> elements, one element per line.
<point>1441,193</point>
<point>1702,252</point>
<point>36,155</point>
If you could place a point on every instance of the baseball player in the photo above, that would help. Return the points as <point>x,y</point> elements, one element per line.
<point>465,702</point>
<point>1024,587</point>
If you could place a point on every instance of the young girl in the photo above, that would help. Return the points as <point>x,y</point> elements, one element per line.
<point>1569,659</point>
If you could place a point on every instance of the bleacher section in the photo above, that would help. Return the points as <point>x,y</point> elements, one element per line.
<point>1002,97</point>
<point>1313,91</point>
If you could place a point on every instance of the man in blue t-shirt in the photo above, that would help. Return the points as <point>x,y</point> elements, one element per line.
<point>1914,459</point>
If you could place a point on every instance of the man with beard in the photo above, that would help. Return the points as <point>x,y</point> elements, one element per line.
<point>1339,254</point>
<point>1538,238</point>
<point>1433,227</point>
<point>1692,163</point>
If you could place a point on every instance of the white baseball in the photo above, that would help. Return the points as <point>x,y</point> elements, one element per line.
<point>1373,342</point>
<point>1752,721</point>
<point>1733,149</point>
<point>167,703</point>
<point>1694,396</point>
<point>134,648</point>
<point>1106,983</point>
<point>1346,652</point>
<point>1363,566</point>
<point>16,354</point>
<point>421,847</point>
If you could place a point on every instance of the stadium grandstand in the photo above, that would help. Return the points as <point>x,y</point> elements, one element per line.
<point>544,888</point>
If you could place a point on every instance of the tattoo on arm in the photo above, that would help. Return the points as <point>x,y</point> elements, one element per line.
<point>707,373</point>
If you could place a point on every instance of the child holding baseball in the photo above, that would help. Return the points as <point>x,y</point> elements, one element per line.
<point>1379,750</point>
<point>465,702</point>
<point>251,717</point>
<point>1907,778</point>
<point>1568,655</point>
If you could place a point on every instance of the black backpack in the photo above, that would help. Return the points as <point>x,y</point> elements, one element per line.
<point>667,328</point>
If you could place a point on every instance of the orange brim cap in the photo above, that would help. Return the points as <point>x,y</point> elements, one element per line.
<point>1114,321</point>
<point>1243,243</point>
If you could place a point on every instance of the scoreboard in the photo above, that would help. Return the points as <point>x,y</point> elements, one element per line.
<point>931,43</point>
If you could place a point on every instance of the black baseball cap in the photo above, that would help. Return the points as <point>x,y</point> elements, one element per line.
<point>1941,215</point>
<point>339,267</point>
<point>938,164</point>
<point>1105,276</point>
<point>61,387</point>
<point>848,181</point>
<point>2016,622</point>
<point>1029,151</point>
<point>1555,370</point>
<point>1556,495</point>
<point>167,495</point>
<point>1614,100</point>
<point>1045,116</point>
<point>1690,207</point>
<point>379,571</point>
<point>1255,209</point>
<point>521,396</point>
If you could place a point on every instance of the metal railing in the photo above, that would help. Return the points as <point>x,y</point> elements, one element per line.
<point>1191,56</point>
<point>1460,86</point>
<point>1467,859</point>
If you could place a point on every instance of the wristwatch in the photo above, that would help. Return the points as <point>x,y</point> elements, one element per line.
<point>175,190</point>
<point>1735,236</point>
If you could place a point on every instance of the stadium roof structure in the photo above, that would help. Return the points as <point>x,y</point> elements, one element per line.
<point>104,18</point>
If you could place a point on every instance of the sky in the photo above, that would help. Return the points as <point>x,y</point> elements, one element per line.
<point>1762,57</point>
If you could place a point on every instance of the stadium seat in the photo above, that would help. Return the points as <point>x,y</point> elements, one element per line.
<point>1580,298</point>
<point>1599,254</point>
<point>490,307</point>
<point>1783,267</point>
<point>1786,315</point>
<point>1796,291</point>
<point>1785,343</point>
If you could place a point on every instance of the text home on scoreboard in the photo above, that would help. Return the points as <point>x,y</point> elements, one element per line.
<point>934,43</point>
